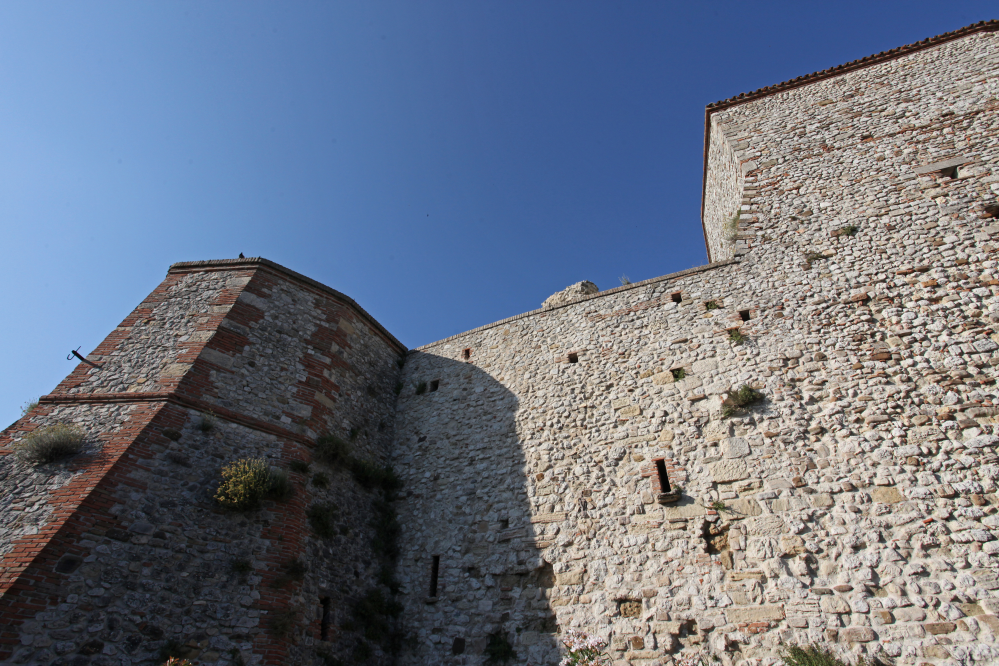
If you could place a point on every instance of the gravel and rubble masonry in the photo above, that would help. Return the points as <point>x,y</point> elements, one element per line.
<point>854,505</point>
<point>114,554</point>
<point>793,444</point>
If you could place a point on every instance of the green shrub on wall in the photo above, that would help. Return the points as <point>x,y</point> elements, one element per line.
<point>248,481</point>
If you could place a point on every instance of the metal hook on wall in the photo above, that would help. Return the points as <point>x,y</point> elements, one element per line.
<point>76,353</point>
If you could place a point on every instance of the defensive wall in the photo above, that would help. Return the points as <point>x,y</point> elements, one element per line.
<point>588,465</point>
<point>851,219</point>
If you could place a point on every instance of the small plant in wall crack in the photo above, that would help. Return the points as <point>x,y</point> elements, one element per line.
<point>736,337</point>
<point>719,505</point>
<point>583,650</point>
<point>421,388</point>
<point>740,400</point>
<point>52,443</point>
<point>247,482</point>
<point>28,406</point>
<point>207,422</point>
<point>817,655</point>
<point>731,231</point>
<point>848,230</point>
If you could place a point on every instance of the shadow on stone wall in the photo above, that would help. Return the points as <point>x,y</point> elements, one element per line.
<point>466,512</point>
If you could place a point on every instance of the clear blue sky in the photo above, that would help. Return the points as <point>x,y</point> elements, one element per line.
<point>447,164</point>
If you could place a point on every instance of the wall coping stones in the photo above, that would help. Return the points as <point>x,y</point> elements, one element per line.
<point>589,297</point>
<point>256,262</point>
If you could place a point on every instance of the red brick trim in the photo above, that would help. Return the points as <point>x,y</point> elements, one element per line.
<point>176,399</point>
<point>260,262</point>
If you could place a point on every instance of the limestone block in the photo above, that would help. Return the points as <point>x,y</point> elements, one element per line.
<point>735,447</point>
<point>717,430</point>
<point>857,635</point>
<point>822,500</point>
<point>886,495</point>
<point>792,545</point>
<point>744,507</point>
<point>175,370</point>
<point>834,604</point>
<point>216,357</point>
<point>620,402</point>
<point>727,471</point>
<point>634,410</point>
<point>910,614</point>
<point>755,614</point>
<point>569,294</point>
<point>570,577</point>
<point>937,628</point>
<point>685,508</point>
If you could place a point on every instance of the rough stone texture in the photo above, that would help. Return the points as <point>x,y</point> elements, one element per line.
<point>587,464</point>
<point>855,505</point>
<point>113,554</point>
<point>570,294</point>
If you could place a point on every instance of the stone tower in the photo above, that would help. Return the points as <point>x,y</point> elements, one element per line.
<point>793,444</point>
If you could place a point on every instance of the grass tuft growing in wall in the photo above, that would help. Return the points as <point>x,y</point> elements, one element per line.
<point>322,519</point>
<point>816,655</point>
<point>299,466</point>
<point>744,397</point>
<point>28,406</point>
<point>52,443</point>
<point>331,450</point>
<point>207,422</point>
<point>736,337</point>
<point>731,228</point>
<point>421,388</point>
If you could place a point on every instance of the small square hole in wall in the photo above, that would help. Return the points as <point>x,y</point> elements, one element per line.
<point>744,315</point>
<point>677,297</point>
<point>573,358</point>
<point>434,385</point>
<point>949,172</point>
<point>678,374</point>
<point>466,353</point>
<point>505,524</point>
<point>991,212</point>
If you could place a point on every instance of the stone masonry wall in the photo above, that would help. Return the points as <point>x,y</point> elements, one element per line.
<point>122,551</point>
<point>854,506</point>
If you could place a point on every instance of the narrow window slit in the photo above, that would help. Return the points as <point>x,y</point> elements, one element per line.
<point>434,385</point>
<point>467,353</point>
<point>663,476</point>
<point>434,571</point>
<point>744,315</point>
<point>327,620</point>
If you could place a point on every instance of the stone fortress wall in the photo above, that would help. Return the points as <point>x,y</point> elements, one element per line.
<point>106,557</point>
<point>855,505</point>
<point>584,465</point>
